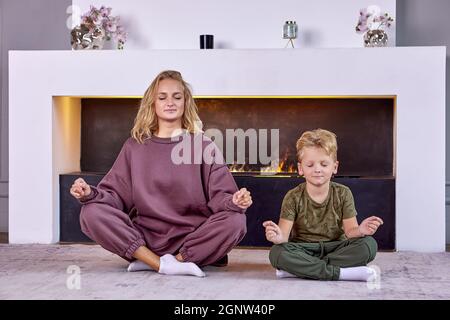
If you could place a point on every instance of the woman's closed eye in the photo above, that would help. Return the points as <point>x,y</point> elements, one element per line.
<point>164,97</point>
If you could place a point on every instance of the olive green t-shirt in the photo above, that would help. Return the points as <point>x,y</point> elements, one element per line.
<point>314,222</point>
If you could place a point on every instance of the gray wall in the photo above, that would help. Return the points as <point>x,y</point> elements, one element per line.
<point>25,25</point>
<point>42,25</point>
<point>425,23</point>
<point>3,155</point>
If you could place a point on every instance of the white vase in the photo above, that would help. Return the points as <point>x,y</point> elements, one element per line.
<point>375,38</point>
<point>83,37</point>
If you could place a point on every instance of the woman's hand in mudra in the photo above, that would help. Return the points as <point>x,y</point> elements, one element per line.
<point>242,198</point>
<point>80,189</point>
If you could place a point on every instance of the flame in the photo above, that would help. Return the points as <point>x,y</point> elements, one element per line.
<point>292,168</point>
<point>279,167</point>
<point>236,167</point>
<point>282,165</point>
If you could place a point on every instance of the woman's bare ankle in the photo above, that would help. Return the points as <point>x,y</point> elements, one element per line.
<point>179,257</point>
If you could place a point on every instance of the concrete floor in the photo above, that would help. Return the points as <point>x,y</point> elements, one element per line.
<point>45,272</point>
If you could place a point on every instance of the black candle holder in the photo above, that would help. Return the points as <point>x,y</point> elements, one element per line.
<point>206,41</point>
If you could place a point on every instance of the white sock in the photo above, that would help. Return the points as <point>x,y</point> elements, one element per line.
<point>284,274</point>
<point>138,266</point>
<point>356,273</point>
<point>170,265</point>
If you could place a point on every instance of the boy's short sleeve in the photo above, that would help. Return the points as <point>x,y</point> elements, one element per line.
<point>348,208</point>
<point>289,207</point>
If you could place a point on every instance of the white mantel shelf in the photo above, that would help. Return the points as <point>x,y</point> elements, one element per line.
<point>44,133</point>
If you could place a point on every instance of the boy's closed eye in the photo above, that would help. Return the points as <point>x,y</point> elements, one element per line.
<point>323,164</point>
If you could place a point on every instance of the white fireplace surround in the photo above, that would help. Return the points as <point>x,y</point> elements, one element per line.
<point>44,116</point>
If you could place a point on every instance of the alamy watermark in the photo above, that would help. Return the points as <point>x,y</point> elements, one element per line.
<point>73,281</point>
<point>190,148</point>
<point>374,281</point>
<point>75,17</point>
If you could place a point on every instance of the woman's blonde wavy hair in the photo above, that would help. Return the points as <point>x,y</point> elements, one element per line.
<point>146,121</point>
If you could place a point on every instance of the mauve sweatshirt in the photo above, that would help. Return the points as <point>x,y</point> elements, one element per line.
<point>171,199</point>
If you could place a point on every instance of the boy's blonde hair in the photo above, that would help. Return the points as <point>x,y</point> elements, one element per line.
<point>319,138</point>
<point>146,121</point>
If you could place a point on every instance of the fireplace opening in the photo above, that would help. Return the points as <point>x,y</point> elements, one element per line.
<point>365,133</point>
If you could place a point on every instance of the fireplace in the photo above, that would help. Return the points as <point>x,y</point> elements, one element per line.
<point>366,156</point>
<point>44,136</point>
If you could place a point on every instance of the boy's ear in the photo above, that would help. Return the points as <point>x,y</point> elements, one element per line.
<point>336,165</point>
<point>299,167</point>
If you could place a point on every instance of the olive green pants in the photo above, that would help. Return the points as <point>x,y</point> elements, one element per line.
<point>322,260</point>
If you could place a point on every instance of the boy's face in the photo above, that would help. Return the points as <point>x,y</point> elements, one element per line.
<point>316,166</point>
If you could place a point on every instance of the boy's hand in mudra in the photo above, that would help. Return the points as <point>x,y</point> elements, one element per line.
<point>370,225</point>
<point>242,198</point>
<point>80,189</point>
<point>273,232</point>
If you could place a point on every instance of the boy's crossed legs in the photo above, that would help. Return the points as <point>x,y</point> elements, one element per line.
<point>336,260</point>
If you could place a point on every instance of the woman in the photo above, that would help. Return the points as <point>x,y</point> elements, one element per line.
<point>188,214</point>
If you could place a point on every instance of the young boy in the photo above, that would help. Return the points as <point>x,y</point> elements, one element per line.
<point>326,241</point>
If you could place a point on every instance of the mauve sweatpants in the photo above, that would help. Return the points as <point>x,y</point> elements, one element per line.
<point>113,229</point>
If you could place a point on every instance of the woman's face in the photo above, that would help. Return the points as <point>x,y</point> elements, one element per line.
<point>169,103</point>
<point>317,166</point>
